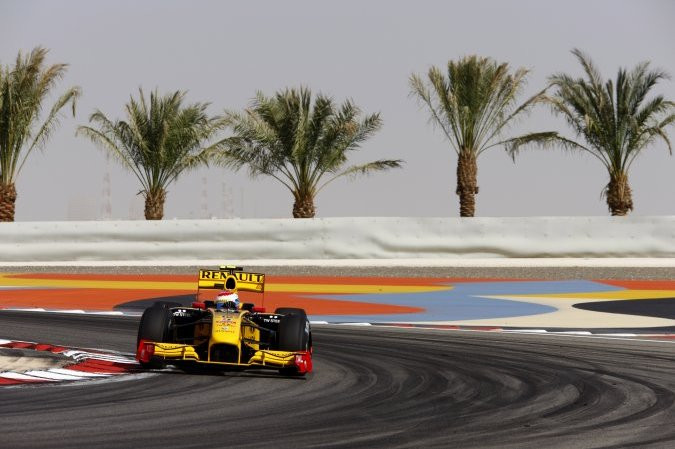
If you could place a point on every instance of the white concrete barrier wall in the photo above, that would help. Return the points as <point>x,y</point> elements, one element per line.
<point>338,238</point>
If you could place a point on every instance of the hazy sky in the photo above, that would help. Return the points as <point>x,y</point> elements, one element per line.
<point>223,51</point>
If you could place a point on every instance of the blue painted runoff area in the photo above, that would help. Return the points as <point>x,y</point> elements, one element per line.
<point>463,301</point>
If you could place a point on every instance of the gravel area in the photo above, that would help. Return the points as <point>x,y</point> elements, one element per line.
<point>21,360</point>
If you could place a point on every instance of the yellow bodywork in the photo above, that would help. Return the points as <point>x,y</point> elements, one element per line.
<point>175,351</point>
<point>230,328</point>
<point>218,279</point>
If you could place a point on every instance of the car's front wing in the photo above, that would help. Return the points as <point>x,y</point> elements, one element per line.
<point>301,360</point>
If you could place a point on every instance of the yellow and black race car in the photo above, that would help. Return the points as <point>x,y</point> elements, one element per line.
<point>228,338</point>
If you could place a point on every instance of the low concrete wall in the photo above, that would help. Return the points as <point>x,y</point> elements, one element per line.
<point>338,238</point>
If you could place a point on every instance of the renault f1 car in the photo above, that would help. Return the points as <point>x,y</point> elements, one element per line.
<point>203,335</point>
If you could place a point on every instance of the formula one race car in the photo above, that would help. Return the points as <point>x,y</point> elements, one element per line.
<point>227,338</point>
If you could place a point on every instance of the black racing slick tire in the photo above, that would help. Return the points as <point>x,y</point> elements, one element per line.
<point>247,306</point>
<point>167,304</point>
<point>154,326</point>
<point>294,335</point>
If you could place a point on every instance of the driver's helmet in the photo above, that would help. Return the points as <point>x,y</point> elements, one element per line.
<point>227,299</point>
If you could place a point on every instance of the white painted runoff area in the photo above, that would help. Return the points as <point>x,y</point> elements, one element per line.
<point>637,241</point>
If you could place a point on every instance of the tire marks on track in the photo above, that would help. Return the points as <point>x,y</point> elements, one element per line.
<point>372,387</point>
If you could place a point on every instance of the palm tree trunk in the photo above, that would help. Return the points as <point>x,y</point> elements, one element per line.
<point>154,204</point>
<point>303,207</point>
<point>619,195</point>
<point>7,201</point>
<point>467,183</point>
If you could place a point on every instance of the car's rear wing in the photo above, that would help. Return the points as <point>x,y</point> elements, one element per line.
<point>231,278</point>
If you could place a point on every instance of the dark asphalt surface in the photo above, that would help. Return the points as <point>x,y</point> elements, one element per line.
<point>372,387</point>
<point>661,308</point>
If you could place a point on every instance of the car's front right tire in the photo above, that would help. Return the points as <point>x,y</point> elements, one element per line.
<point>154,326</point>
<point>294,335</point>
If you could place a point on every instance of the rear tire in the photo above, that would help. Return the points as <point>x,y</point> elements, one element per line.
<point>290,311</point>
<point>154,326</point>
<point>167,304</point>
<point>247,306</point>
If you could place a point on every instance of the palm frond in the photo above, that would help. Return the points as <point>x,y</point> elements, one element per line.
<point>51,123</point>
<point>23,91</point>
<point>295,138</point>
<point>364,169</point>
<point>547,140</point>
<point>474,101</point>
<point>160,138</point>
<point>615,118</point>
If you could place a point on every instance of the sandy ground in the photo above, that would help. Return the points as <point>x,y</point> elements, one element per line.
<point>19,361</point>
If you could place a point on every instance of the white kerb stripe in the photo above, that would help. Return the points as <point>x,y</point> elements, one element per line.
<point>67,311</point>
<point>571,332</point>
<point>53,376</point>
<point>525,331</point>
<point>4,342</point>
<point>18,376</point>
<point>112,358</point>
<point>33,309</point>
<point>79,355</point>
<point>72,372</point>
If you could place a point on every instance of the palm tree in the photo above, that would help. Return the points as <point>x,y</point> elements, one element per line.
<point>158,142</point>
<point>301,143</point>
<point>615,120</point>
<point>23,89</point>
<point>473,104</point>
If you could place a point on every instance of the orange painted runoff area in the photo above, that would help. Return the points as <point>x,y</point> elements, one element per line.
<point>77,298</point>
<point>171,283</point>
<point>641,285</point>
<point>103,292</point>
<point>319,295</point>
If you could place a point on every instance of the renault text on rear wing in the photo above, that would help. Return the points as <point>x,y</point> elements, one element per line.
<point>230,278</point>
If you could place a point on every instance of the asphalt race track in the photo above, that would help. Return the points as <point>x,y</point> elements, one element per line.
<point>372,387</point>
